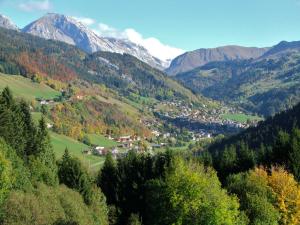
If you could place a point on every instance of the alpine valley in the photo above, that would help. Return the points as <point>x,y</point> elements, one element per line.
<point>263,81</point>
<point>96,130</point>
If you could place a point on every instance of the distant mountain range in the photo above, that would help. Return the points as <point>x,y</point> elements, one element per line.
<point>69,30</point>
<point>200,57</point>
<point>266,85</point>
<point>197,58</point>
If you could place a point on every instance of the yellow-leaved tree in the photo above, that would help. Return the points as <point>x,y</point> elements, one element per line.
<point>287,192</point>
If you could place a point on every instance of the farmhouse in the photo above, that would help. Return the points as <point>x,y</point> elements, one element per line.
<point>100,150</point>
<point>87,152</point>
<point>123,139</point>
<point>49,125</point>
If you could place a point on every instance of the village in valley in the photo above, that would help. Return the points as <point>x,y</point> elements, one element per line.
<point>182,111</point>
<point>169,137</point>
<point>187,124</point>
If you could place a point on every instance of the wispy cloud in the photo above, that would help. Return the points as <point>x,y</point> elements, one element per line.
<point>105,30</point>
<point>35,5</point>
<point>152,44</point>
<point>85,20</point>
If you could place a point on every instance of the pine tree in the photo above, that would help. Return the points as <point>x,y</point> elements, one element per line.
<point>29,131</point>
<point>73,175</point>
<point>12,124</point>
<point>107,179</point>
<point>294,153</point>
<point>43,151</point>
<point>6,98</point>
<point>281,148</point>
<point>44,148</point>
<point>246,157</point>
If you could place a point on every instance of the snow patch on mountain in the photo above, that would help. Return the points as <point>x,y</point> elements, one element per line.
<point>7,23</point>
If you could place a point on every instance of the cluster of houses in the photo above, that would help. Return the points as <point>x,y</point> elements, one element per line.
<point>124,142</point>
<point>204,115</point>
<point>101,151</point>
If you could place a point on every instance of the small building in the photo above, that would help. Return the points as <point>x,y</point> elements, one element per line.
<point>79,97</point>
<point>123,139</point>
<point>135,138</point>
<point>49,125</point>
<point>155,133</point>
<point>166,135</point>
<point>87,152</point>
<point>44,102</point>
<point>99,151</point>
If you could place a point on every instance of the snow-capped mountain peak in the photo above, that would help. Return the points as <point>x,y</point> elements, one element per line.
<point>69,30</point>
<point>7,23</point>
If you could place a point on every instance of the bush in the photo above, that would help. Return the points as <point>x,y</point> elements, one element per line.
<point>51,205</point>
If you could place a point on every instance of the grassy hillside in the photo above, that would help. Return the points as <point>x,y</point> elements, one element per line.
<point>25,88</point>
<point>100,140</point>
<point>61,142</point>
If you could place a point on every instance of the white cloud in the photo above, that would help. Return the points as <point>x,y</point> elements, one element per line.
<point>152,44</point>
<point>105,30</point>
<point>34,5</point>
<point>85,20</point>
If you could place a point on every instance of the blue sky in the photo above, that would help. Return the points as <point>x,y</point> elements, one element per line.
<point>187,25</point>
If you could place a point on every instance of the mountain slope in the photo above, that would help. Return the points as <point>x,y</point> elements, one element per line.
<point>5,22</point>
<point>200,57</point>
<point>69,30</point>
<point>281,49</point>
<point>127,74</point>
<point>31,56</point>
<point>265,85</point>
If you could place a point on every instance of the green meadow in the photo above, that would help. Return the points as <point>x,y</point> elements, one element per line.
<point>240,117</point>
<point>100,140</point>
<point>25,88</point>
<point>61,142</point>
